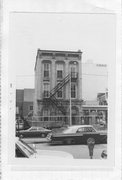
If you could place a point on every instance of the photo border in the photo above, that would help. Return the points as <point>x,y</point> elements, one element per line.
<point>8,103</point>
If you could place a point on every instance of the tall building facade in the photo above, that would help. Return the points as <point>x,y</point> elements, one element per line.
<point>58,87</point>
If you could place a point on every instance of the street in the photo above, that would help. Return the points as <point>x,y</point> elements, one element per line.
<point>78,151</point>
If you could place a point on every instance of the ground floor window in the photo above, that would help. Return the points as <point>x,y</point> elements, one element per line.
<point>46,114</point>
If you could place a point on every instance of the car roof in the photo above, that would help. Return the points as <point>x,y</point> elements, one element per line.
<point>37,127</point>
<point>78,126</point>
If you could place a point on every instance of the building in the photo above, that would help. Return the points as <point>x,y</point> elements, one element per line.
<point>58,87</point>
<point>24,102</point>
<point>95,114</point>
<point>102,98</point>
<point>94,80</point>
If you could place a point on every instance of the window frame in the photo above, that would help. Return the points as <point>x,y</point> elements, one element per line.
<point>74,91</point>
<point>46,115</point>
<point>60,91</point>
<point>46,70</point>
<point>31,107</point>
<point>59,69</point>
<point>46,91</point>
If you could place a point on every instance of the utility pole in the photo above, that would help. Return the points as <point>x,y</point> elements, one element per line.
<point>70,103</point>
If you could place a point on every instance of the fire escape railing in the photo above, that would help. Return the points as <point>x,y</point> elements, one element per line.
<point>51,96</point>
<point>60,85</point>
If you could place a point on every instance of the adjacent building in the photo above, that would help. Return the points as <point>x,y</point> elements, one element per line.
<point>58,87</point>
<point>24,102</point>
<point>102,98</point>
<point>94,80</point>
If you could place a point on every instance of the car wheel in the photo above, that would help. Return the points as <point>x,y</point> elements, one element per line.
<point>91,139</point>
<point>43,135</point>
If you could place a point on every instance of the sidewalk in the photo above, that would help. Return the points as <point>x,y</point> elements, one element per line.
<point>35,140</point>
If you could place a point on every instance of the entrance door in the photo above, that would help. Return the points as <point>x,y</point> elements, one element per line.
<point>74,115</point>
<point>73,120</point>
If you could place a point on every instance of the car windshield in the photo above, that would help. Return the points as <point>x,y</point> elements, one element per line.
<point>36,129</point>
<point>41,129</point>
<point>32,129</point>
<point>23,147</point>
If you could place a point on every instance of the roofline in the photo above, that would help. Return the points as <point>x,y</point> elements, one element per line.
<point>74,52</point>
<point>94,106</point>
<point>61,51</point>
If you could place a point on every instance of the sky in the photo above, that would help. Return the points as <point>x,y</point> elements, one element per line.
<point>93,34</point>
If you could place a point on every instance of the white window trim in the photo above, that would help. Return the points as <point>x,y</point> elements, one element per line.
<point>45,63</point>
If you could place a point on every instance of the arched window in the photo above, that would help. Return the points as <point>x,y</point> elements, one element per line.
<point>73,69</point>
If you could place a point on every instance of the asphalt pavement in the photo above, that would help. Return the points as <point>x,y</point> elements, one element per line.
<point>78,151</point>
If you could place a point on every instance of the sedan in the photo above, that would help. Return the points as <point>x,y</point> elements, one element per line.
<point>33,132</point>
<point>78,134</point>
<point>23,150</point>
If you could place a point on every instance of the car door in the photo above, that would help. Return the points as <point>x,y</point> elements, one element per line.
<point>89,132</point>
<point>32,132</point>
<point>42,132</point>
<point>86,133</point>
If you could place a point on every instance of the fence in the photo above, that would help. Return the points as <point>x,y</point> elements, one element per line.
<point>59,121</point>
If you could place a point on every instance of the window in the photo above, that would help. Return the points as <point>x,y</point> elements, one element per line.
<point>31,108</point>
<point>46,70</point>
<point>86,129</point>
<point>86,112</point>
<point>89,129</point>
<point>73,90</point>
<point>46,114</point>
<point>59,71</point>
<point>60,93</point>
<point>73,71</point>
<point>46,90</point>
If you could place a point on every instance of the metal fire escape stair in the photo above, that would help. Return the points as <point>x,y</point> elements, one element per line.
<point>57,102</point>
<point>60,85</point>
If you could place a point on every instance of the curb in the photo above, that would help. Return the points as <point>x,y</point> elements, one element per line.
<point>29,141</point>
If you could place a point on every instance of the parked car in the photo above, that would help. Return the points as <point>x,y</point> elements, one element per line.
<point>77,134</point>
<point>23,150</point>
<point>33,132</point>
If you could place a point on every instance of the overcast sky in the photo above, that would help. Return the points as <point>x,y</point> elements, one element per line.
<point>93,34</point>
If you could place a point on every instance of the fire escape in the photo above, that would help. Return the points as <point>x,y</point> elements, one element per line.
<point>51,96</point>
